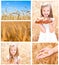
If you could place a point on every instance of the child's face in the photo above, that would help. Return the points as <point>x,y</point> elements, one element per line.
<point>46,11</point>
<point>13,51</point>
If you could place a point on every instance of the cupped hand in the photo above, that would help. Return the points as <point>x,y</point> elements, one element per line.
<point>45,52</point>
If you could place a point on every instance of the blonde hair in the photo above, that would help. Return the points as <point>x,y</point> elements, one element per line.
<point>45,5</point>
<point>16,55</point>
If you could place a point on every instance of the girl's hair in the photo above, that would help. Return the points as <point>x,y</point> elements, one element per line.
<point>16,55</point>
<point>45,5</point>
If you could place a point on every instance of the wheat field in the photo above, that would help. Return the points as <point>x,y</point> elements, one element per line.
<point>17,14</point>
<point>36,5</point>
<point>15,31</point>
<point>15,17</point>
<point>36,47</point>
<point>24,52</point>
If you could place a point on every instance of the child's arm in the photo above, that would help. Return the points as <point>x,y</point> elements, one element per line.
<point>52,26</point>
<point>55,49</point>
<point>42,28</point>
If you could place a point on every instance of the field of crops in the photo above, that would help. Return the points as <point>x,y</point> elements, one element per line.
<point>23,14</point>
<point>15,31</point>
<point>15,17</point>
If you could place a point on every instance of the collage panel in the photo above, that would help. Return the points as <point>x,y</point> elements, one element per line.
<point>45,53</point>
<point>15,53</point>
<point>15,10</point>
<point>16,31</point>
<point>45,21</point>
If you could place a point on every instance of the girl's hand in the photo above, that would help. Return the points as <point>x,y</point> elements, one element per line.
<point>39,20</point>
<point>35,38</point>
<point>42,28</point>
<point>45,52</point>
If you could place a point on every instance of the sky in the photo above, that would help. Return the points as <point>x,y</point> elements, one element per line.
<point>12,5</point>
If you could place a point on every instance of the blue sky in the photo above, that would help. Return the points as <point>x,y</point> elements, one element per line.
<point>12,5</point>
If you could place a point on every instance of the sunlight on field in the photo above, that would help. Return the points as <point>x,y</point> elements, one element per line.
<point>15,31</point>
<point>53,59</point>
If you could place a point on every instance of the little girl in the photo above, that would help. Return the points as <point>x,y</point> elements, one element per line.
<point>13,57</point>
<point>47,33</point>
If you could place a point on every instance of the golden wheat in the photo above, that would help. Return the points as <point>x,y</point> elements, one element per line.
<point>15,31</point>
<point>12,17</point>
